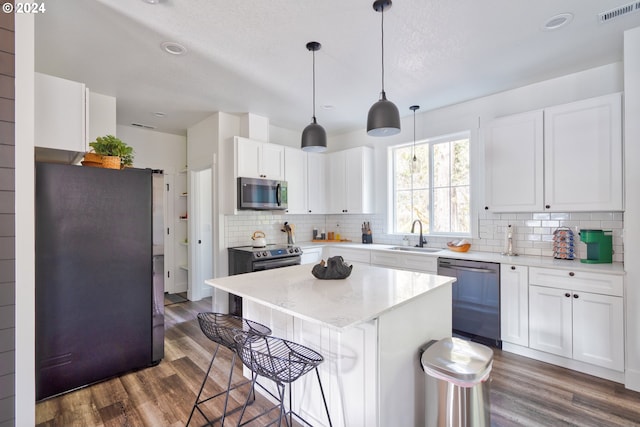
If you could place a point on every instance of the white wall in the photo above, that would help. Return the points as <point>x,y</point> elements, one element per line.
<point>155,150</point>
<point>283,136</point>
<point>25,381</point>
<point>632,204</point>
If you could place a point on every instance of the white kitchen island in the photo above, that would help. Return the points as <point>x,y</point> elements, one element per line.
<point>369,328</point>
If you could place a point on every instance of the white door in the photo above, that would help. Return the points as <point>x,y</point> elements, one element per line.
<point>598,330</point>
<point>247,158</point>
<point>337,180</point>
<point>200,234</point>
<point>514,304</point>
<point>295,163</point>
<point>550,320</point>
<point>272,161</point>
<point>513,150</point>
<point>316,183</point>
<point>583,155</point>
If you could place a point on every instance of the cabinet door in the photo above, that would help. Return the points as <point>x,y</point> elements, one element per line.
<point>248,158</point>
<point>311,255</point>
<point>60,114</point>
<point>550,320</point>
<point>295,162</point>
<point>316,183</point>
<point>514,304</point>
<point>358,180</point>
<point>598,330</point>
<point>337,182</point>
<point>583,155</point>
<point>272,161</point>
<point>513,149</point>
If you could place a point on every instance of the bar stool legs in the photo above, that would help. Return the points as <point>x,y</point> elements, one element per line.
<point>283,362</point>
<point>222,328</point>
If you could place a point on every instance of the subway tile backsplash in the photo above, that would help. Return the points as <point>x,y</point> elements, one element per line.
<point>533,232</point>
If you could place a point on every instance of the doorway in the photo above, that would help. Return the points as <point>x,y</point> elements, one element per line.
<point>200,233</point>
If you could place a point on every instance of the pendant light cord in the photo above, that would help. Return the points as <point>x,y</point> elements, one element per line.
<point>382,43</point>
<point>314,86</point>
<point>414,108</point>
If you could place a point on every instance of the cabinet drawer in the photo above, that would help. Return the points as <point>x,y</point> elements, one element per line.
<point>385,259</point>
<point>351,255</point>
<point>424,263</point>
<point>577,281</point>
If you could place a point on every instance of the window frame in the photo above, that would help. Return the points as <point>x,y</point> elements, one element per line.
<point>392,198</point>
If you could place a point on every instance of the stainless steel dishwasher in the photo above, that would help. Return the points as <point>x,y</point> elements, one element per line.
<point>476,299</point>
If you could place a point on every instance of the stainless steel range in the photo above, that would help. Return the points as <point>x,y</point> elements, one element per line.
<point>247,259</point>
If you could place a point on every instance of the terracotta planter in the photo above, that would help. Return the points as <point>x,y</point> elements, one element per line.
<point>111,162</point>
<point>93,160</point>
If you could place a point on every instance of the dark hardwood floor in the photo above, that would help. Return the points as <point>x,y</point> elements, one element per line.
<point>524,392</point>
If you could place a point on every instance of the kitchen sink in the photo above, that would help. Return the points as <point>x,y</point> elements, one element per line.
<point>415,249</point>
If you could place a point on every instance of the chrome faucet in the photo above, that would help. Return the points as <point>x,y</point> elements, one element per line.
<point>421,239</point>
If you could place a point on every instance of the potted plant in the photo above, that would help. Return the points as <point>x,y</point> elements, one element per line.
<point>115,153</point>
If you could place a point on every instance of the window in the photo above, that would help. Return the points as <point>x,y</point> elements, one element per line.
<point>434,188</point>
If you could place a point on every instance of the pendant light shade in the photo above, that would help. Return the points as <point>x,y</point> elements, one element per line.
<point>314,137</point>
<point>384,117</point>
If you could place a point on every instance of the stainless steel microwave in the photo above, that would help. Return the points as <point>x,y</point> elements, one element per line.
<point>262,194</point>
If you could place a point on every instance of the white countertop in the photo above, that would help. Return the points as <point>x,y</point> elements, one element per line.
<point>528,260</point>
<point>365,295</point>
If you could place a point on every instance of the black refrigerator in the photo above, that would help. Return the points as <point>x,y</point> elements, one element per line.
<point>96,306</point>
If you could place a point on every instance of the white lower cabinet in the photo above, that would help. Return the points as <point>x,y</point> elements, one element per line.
<point>311,255</point>
<point>568,321</point>
<point>350,255</point>
<point>550,320</point>
<point>514,304</point>
<point>412,262</point>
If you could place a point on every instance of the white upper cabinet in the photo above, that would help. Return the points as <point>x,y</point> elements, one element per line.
<point>583,155</point>
<point>563,158</point>
<point>60,114</point>
<point>295,162</point>
<point>316,183</point>
<point>513,158</point>
<point>256,159</point>
<point>351,181</point>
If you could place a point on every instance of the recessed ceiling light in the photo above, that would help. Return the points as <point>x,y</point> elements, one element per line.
<point>159,114</point>
<point>557,21</point>
<point>151,1</point>
<point>173,48</point>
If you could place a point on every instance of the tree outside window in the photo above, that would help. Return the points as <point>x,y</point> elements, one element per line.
<point>434,188</point>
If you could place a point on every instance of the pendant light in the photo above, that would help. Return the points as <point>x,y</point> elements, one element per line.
<point>314,137</point>
<point>414,160</point>
<point>384,118</point>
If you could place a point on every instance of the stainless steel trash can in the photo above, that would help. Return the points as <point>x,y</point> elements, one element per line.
<point>457,390</point>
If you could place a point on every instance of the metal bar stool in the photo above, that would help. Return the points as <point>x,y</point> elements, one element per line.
<point>222,329</point>
<point>283,362</point>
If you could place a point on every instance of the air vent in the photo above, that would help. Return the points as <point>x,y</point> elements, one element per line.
<point>140,125</point>
<point>619,11</point>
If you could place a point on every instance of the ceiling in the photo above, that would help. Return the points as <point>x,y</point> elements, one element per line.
<point>250,55</point>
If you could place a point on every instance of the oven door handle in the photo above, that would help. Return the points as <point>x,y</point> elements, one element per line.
<point>474,269</point>
<point>275,263</point>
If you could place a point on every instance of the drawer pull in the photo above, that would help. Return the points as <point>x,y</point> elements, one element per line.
<point>513,267</point>
<point>571,273</point>
<point>567,295</point>
<point>575,295</point>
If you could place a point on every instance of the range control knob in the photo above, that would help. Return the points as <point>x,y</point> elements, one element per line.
<point>264,253</point>
<point>257,254</point>
<point>297,250</point>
